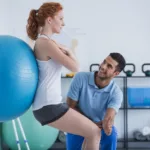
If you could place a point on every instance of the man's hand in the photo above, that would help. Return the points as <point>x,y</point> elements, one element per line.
<point>109,120</point>
<point>99,124</point>
<point>107,125</point>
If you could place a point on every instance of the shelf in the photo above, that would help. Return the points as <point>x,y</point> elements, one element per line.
<point>121,77</point>
<point>115,77</point>
<point>134,140</point>
<point>138,148</point>
<point>139,77</point>
<point>67,77</point>
<point>122,108</point>
<point>139,108</point>
<point>120,140</point>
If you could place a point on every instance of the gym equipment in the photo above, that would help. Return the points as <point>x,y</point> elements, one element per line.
<point>148,137</point>
<point>146,130</point>
<point>22,132</point>
<point>138,136</point>
<point>39,137</point>
<point>146,72</point>
<point>62,137</point>
<point>94,65</point>
<point>18,77</point>
<point>129,73</point>
<point>138,97</point>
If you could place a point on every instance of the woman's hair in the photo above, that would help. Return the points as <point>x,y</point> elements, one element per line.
<point>37,17</point>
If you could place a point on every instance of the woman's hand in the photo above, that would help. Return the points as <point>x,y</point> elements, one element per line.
<point>63,48</point>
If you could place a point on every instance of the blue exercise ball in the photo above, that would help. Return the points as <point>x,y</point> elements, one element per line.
<point>18,77</point>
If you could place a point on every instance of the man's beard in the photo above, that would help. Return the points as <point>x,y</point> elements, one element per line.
<point>103,78</point>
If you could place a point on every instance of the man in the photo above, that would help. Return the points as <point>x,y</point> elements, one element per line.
<point>98,97</point>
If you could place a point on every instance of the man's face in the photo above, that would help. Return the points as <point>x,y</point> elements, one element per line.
<point>107,69</point>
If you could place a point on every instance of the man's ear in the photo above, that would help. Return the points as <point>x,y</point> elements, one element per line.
<point>116,73</point>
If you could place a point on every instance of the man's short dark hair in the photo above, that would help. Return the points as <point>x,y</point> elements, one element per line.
<point>120,59</point>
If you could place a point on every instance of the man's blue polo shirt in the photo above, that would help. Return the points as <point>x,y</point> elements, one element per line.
<point>92,101</point>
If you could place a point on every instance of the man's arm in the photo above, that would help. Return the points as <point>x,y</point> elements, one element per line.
<point>71,103</point>
<point>74,91</point>
<point>109,120</point>
<point>112,108</point>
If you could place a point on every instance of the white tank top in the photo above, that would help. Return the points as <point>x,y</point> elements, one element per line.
<point>49,84</point>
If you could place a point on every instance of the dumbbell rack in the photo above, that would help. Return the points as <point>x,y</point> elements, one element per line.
<point>127,108</point>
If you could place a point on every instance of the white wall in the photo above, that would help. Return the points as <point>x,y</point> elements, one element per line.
<point>4,17</point>
<point>119,25</point>
<point>122,26</point>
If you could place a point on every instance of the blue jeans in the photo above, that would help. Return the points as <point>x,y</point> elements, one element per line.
<point>74,142</point>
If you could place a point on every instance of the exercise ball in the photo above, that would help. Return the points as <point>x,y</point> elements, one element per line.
<point>18,77</point>
<point>38,137</point>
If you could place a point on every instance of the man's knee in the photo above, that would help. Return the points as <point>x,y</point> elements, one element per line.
<point>109,142</point>
<point>110,138</point>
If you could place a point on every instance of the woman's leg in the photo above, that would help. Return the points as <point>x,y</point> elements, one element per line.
<point>76,123</point>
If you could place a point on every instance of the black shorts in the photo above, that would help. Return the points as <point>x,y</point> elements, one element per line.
<point>50,113</point>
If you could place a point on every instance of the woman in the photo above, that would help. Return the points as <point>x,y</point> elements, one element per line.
<point>50,56</point>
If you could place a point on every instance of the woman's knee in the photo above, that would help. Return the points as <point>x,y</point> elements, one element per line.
<point>96,132</point>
